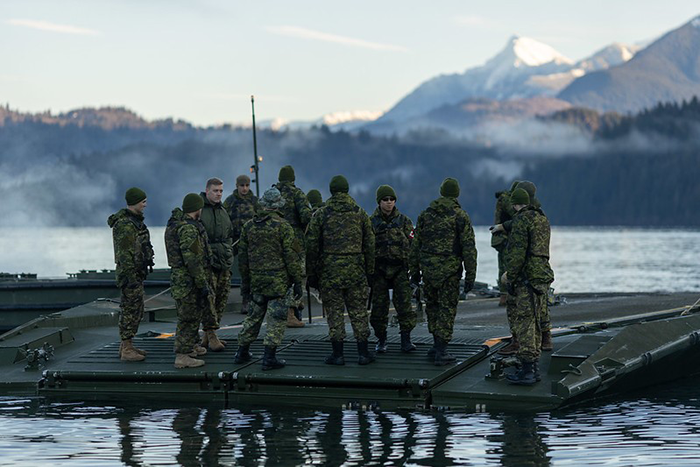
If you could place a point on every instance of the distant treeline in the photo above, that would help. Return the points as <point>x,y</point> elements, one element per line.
<point>71,175</point>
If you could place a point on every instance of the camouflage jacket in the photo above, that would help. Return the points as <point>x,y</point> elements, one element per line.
<point>504,212</point>
<point>444,240</point>
<point>269,256</point>
<point>240,209</point>
<point>217,223</point>
<point>527,255</point>
<point>133,252</point>
<point>340,244</point>
<point>393,235</point>
<point>296,209</point>
<point>189,254</point>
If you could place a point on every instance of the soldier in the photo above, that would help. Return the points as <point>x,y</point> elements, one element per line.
<point>545,320</point>
<point>271,271</point>
<point>241,206</point>
<point>444,240</point>
<point>189,256</point>
<point>528,275</point>
<point>133,255</point>
<point>504,212</point>
<point>340,253</point>
<point>297,212</point>
<point>393,233</point>
<point>217,223</point>
<point>315,200</point>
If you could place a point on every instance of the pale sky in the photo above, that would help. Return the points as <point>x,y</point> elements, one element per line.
<point>201,60</point>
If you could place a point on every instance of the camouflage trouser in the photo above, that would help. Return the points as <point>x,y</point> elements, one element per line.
<point>220,288</point>
<point>189,315</point>
<point>131,311</point>
<point>441,301</point>
<point>276,310</point>
<point>397,280</point>
<point>501,270</point>
<point>335,301</point>
<point>526,322</point>
<point>542,311</point>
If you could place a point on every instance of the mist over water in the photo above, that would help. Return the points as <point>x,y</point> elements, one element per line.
<point>584,259</point>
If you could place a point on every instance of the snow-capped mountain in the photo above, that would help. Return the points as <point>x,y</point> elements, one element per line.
<point>342,120</point>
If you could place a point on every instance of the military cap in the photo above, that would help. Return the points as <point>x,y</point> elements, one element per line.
<point>134,196</point>
<point>192,202</point>
<point>314,197</point>
<point>514,185</point>
<point>519,196</point>
<point>449,188</point>
<point>339,184</point>
<point>272,199</point>
<point>286,174</point>
<point>383,191</point>
<point>242,180</point>
<point>529,187</point>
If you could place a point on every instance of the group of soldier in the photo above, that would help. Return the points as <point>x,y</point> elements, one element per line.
<point>287,239</point>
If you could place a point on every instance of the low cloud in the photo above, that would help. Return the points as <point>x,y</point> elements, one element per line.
<point>295,31</point>
<point>52,27</point>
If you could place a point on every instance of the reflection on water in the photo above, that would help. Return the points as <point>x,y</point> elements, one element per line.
<point>661,430</point>
<point>584,259</point>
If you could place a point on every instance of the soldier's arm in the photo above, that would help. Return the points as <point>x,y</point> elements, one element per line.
<point>468,250</point>
<point>193,254</point>
<point>290,250</point>
<point>368,244</point>
<point>408,229</point>
<point>303,208</point>
<point>516,250</point>
<point>313,243</point>
<point>498,214</point>
<point>127,249</point>
<point>414,252</point>
<point>243,264</point>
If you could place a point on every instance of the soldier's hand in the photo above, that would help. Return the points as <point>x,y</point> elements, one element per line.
<point>415,279</point>
<point>468,286</point>
<point>204,291</point>
<point>298,292</point>
<point>504,277</point>
<point>313,281</point>
<point>497,228</point>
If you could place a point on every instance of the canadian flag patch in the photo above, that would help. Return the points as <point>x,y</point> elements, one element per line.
<point>412,234</point>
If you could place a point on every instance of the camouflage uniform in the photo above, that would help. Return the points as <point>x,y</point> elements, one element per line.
<point>133,255</point>
<point>217,223</point>
<point>444,239</point>
<point>269,263</point>
<point>189,256</point>
<point>240,209</point>
<point>296,210</point>
<point>393,235</point>
<point>340,251</point>
<point>529,274</point>
<point>504,212</point>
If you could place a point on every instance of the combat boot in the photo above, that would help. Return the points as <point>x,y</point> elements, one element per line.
<point>243,354</point>
<point>502,300</point>
<point>512,348</point>
<point>365,356</point>
<point>212,340</point>
<point>292,320</point>
<point>442,356</point>
<point>270,360</point>
<point>525,376</point>
<point>381,346</point>
<point>198,351</point>
<point>336,358</point>
<point>406,344</point>
<point>128,352</point>
<point>547,345</point>
<point>183,360</point>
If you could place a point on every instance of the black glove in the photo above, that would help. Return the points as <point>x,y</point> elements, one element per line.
<point>313,282</point>
<point>298,292</point>
<point>468,286</point>
<point>415,279</point>
<point>204,292</point>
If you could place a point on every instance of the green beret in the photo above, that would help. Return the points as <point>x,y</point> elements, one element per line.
<point>383,191</point>
<point>339,184</point>
<point>449,188</point>
<point>286,174</point>
<point>314,197</point>
<point>519,196</point>
<point>134,196</point>
<point>529,187</point>
<point>192,202</point>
